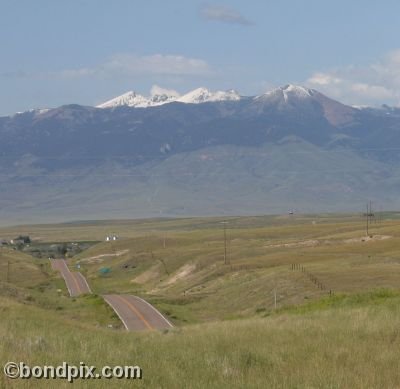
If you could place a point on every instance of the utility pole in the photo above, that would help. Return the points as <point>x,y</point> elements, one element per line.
<point>369,215</point>
<point>225,251</point>
<point>370,212</point>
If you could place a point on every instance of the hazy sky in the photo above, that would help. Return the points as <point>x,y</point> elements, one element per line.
<point>55,52</point>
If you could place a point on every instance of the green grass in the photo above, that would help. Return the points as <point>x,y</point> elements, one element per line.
<point>19,269</point>
<point>351,344</point>
<point>227,334</point>
<point>186,278</point>
<point>31,281</point>
<point>371,298</point>
<point>188,281</point>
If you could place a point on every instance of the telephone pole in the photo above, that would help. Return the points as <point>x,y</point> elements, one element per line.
<point>225,251</point>
<point>369,215</point>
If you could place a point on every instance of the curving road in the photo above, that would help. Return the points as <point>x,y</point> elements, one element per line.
<point>76,282</point>
<point>136,313</point>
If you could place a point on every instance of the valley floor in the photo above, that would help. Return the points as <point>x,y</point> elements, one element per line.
<point>335,323</point>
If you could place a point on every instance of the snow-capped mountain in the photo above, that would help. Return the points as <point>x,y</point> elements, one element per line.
<point>203,95</point>
<point>290,98</point>
<point>133,99</point>
<point>287,93</point>
<point>291,145</point>
<point>161,96</point>
<point>129,99</point>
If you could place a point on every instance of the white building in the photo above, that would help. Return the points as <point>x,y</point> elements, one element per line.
<point>109,238</point>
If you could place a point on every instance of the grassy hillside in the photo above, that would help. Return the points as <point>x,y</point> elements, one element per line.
<point>32,282</point>
<point>350,343</point>
<point>312,339</point>
<point>179,265</point>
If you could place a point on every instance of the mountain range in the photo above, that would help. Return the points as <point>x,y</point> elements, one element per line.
<point>160,97</point>
<point>203,153</point>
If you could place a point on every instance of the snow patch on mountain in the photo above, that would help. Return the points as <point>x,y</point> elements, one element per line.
<point>34,111</point>
<point>288,93</point>
<point>130,99</point>
<point>159,96</point>
<point>297,91</point>
<point>203,95</point>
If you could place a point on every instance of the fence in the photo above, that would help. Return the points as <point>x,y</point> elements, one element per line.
<point>311,277</point>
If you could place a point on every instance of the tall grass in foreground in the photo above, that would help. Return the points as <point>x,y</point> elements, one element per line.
<point>351,343</point>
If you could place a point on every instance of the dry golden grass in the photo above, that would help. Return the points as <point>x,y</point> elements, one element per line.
<point>187,279</point>
<point>310,341</point>
<point>350,342</point>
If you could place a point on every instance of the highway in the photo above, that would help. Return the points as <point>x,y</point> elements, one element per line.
<point>137,314</point>
<point>75,281</point>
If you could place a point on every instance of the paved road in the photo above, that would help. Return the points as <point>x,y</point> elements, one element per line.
<point>76,282</point>
<point>137,314</point>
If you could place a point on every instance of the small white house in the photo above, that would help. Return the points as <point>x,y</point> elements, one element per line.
<point>109,238</point>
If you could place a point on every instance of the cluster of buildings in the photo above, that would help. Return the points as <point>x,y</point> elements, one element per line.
<point>21,240</point>
<point>112,237</point>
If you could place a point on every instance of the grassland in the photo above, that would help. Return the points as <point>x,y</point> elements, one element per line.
<point>352,343</point>
<point>32,282</point>
<point>179,264</point>
<point>310,340</point>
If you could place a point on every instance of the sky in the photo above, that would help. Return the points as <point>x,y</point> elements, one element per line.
<point>56,52</point>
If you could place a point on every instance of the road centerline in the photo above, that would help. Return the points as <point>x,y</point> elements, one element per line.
<point>76,282</point>
<point>136,311</point>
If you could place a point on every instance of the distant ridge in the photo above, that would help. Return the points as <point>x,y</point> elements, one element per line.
<point>203,153</point>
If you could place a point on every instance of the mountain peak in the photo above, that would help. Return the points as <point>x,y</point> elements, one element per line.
<point>289,92</point>
<point>298,90</point>
<point>301,99</point>
<point>203,95</point>
<point>130,99</point>
<point>161,96</point>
